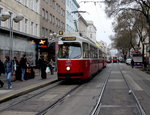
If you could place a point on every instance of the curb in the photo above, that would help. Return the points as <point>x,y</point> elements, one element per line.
<point>20,92</point>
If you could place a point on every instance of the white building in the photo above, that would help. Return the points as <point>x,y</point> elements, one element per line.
<point>91,31</point>
<point>82,28</point>
<point>103,46</point>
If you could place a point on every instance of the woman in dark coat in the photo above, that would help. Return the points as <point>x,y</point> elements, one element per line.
<point>2,70</point>
<point>43,65</point>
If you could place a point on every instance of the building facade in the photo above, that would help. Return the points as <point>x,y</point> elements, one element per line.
<point>71,16</point>
<point>82,26</point>
<point>41,17</point>
<point>91,31</point>
<point>52,18</point>
<point>16,39</point>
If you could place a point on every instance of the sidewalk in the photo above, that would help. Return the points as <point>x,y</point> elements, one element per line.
<point>23,87</point>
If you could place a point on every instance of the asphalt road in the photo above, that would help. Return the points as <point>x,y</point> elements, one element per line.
<point>116,99</point>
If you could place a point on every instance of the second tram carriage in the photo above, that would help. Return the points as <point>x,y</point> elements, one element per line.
<point>114,59</point>
<point>137,58</point>
<point>78,58</point>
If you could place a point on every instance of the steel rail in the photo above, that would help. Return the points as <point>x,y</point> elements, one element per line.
<point>58,101</point>
<point>39,93</point>
<point>100,97</point>
<point>139,106</point>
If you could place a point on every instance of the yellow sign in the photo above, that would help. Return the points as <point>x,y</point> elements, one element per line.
<point>42,41</point>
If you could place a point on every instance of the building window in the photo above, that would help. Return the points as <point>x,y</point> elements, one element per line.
<point>91,36</point>
<point>36,29</point>
<point>50,18</point>
<point>43,12</point>
<point>25,2</point>
<point>46,15</point>
<point>32,28</point>
<point>31,4</point>
<point>53,19</point>
<point>36,5</point>
<point>43,31</point>
<point>51,2</point>
<point>46,33</point>
<point>18,26</point>
<point>26,25</point>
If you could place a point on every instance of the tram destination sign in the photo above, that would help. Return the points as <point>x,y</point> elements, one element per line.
<point>68,39</point>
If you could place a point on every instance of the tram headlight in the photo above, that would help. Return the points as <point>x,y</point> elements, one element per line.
<point>68,68</point>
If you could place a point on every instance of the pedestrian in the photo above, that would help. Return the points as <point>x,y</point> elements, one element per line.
<point>2,70</point>
<point>42,65</point>
<point>145,63</point>
<point>16,68</point>
<point>23,66</point>
<point>132,63</point>
<point>51,65</point>
<point>8,65</point>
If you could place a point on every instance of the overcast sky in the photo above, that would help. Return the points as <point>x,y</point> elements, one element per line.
<point>97,14</point>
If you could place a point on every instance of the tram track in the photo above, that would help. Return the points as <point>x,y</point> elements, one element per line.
<point>98,104</point>
<point>52,85</point>
<point>51,104</point>
<point>64,98</point>
<point>131,91</point>
<point>57,101</point>
<point>97,109</point>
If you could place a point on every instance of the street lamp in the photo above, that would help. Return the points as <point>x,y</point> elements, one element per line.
<point>8,15</point>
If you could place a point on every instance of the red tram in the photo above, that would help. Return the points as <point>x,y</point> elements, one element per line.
<point>78,58</point>
<point>114,59</point>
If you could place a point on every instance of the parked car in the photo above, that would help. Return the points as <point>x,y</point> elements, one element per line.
<point>128,61</point>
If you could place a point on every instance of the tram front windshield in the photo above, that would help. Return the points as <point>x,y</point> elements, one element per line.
<point>69,50</point>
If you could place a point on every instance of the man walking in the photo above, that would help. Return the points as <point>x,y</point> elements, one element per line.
<point>8,65</point>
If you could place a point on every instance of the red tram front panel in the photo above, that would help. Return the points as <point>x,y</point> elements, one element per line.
<point>74,69</point>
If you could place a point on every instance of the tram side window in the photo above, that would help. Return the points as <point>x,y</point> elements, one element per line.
<point>95,52</point>
<point>85,50</point>
<point>92,52</point>
<point>100,54</point>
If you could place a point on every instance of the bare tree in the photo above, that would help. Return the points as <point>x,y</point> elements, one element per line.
<point>115,7</point>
